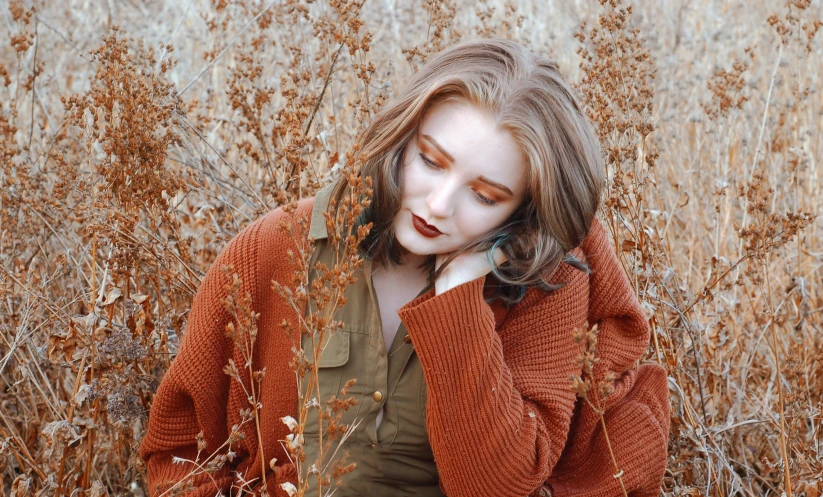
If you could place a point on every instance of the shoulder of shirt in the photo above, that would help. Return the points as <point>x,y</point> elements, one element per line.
<point>311,207</point>
<point>573,268</point>
<point>317,229</point>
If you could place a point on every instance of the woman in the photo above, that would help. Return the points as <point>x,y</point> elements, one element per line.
<point>484,257</point>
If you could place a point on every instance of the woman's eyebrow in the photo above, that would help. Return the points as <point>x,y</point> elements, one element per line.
<point>495,184</point>
<point>438,147</point>
<point>484,179</point>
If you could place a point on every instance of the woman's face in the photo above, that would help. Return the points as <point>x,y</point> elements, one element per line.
<point>461,174</point>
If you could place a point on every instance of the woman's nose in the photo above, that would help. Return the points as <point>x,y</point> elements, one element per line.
<point>441,201</point>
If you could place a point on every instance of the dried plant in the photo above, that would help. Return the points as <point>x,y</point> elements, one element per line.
<point>127,164</point>
<point>498,25</point>
<point>695,331</point>
<point>594,390</point>
<point>728,89</point>
<point>440,31</point>
<point>326,292</point>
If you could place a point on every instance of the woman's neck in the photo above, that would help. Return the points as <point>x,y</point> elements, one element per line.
<point>410,262</point>
<point>408,269</point>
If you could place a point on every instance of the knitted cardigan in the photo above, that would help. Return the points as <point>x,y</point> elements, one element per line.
<point>501,415</point>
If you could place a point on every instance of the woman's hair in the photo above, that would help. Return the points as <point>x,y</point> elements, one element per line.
<point>528,98</point>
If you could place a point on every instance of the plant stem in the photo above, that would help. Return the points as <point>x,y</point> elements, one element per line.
<point>783,449</point>
<point>618,473</point>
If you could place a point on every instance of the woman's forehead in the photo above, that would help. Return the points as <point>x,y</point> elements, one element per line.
<point>469,136</point>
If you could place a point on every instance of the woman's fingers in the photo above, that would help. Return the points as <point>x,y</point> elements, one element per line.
<point>499,256</point>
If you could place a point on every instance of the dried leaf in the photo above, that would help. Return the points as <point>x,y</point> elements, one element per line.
<point>97,490</point>
<point>113,295</point>
<point>90,320</point>
<point>20,487</point>
<point>81,395</point>
<point>139,298</point>
<point>628,245</point>
<point>67,343</point>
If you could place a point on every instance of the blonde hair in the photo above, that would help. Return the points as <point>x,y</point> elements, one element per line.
<point>530,99</point>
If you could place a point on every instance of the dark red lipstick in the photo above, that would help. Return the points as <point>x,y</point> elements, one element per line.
<point>424,229</point>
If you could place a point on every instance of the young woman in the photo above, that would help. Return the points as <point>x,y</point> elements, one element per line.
<point>484,257</point>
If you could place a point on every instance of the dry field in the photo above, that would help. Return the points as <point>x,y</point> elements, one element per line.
<point>138,136</point>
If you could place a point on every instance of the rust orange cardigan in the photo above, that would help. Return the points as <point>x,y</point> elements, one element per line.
<point>501,416</point>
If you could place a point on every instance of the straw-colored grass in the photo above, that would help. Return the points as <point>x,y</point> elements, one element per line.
<point>129,157</point>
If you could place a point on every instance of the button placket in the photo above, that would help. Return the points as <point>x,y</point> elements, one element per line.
<point>378,357</point>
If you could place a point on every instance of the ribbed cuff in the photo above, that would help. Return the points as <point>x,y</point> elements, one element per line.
<point>451,332</point>
<point>473,410</point>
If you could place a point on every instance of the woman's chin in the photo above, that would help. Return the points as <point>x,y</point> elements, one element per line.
<point>414,245</point>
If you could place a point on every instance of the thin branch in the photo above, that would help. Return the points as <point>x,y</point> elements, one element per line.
<point>208,66</point>
<point>323,92</point>
<point>33,81</point>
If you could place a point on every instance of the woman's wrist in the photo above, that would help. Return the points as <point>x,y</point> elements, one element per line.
<point>464,268</point>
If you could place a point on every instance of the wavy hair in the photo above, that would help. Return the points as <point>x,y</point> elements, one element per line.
<point>529,98</point>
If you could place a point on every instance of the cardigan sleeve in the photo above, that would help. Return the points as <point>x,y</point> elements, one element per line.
<point>623,330</point>
<point>193,394</point>
<point>636,411</point>
<point>498,415</point>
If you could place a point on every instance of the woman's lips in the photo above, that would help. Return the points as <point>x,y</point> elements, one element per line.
<point>424,229</point>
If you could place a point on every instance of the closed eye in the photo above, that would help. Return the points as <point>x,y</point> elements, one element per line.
<point>430,163</point>
<point>484,200</point>
<point>480,198</point>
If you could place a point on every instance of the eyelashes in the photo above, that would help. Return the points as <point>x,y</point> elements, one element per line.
<point>429,162</point>
<point>484,200</point>
<point>433,165</point>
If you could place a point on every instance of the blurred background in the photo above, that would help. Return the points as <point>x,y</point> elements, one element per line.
<point>138,136</point>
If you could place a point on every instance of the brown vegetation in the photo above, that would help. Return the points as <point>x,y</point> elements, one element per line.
<point>129,157</point>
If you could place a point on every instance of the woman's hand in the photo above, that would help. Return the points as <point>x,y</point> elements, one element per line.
<point>466,267</point>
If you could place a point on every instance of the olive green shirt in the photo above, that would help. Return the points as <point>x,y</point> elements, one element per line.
<point>394,458</point>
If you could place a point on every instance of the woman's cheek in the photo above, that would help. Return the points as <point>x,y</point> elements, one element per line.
<point>478,222</point>
<point>418,179</point>
<point>410,177</point>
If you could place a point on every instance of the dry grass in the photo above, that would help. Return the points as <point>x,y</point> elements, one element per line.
<point>130,156</point>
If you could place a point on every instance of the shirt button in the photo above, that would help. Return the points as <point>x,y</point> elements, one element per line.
<point>377,396</point>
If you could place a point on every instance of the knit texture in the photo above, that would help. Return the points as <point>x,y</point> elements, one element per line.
<point>501,415</point>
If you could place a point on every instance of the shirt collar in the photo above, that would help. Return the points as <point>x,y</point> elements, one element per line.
<point>317,229</point>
